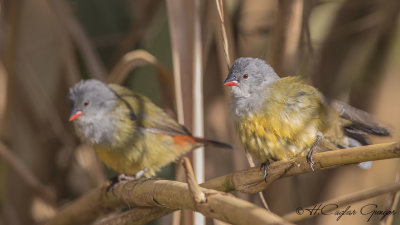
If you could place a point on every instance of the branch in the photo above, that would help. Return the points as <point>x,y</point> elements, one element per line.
<point>136,216</point>
<point>251,180</point>
<point>167,194</point>
<point>171,194</point>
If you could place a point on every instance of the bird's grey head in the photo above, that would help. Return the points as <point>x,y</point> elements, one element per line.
<point>249,78</point>
<point>91,102</point>
<point>249,75</point>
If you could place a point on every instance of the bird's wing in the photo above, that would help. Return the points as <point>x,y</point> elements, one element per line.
<point>293,107</point>
<point>147,115</point>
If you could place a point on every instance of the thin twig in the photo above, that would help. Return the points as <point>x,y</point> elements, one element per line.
<point>220,9</point>
<point>339,202</point>
<point>195,190</point>
<point>260,194</point>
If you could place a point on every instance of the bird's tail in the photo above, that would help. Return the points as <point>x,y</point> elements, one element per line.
<point>212,142</point>
<point>359,126</point>
<point>361,122</point>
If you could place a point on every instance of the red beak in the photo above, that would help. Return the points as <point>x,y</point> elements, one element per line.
<point>231,83</point>
<point>75,114</point>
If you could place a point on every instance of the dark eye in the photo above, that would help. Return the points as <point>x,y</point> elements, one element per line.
<point>245,76</point>
<point>86,103</point>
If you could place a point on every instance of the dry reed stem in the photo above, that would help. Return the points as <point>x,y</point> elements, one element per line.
<point>136,58</point>
<point>176,56</point>
<point>130,61</point>
<point>78,35</point>
<point>260,194</point>
<point>220,9</point>
<point>198,105</point>
<point>286,38</point>
<point>3,96</point>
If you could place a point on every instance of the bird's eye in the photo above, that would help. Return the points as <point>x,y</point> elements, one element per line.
<point>86,103</point>
<point>245,76</point>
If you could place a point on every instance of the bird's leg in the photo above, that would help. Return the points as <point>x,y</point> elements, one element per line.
<point>310,153</point>
<point>141,173</point>
<point>114,181</point>
<point>122,177</point>
<point>264,166</point>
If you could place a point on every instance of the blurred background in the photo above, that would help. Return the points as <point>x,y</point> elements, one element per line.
<point>350,50</point>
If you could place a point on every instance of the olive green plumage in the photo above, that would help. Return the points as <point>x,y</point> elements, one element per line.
<point>281,118</point>
<point>128,132</point>
<point>287,123</point>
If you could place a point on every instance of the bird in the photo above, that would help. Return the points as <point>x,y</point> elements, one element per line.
<point>282,118</point>
<point>129,133</point>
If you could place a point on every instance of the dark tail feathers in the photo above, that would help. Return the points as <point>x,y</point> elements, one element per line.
<point>212,142</point>
<point>362,122</point>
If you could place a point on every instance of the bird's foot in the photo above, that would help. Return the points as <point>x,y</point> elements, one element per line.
<point>311,152</point>
<point>114,181</point>
<point>122,177</point>
<point>264,166</point>
<point>310,160</point>
<point>141,173</point>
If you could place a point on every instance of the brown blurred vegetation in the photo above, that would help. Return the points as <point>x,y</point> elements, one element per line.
<point>349,50</point>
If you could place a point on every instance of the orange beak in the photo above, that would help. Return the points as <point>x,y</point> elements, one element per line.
<point>231,80</point>
<point>231,83</point>
<point>75,114</point>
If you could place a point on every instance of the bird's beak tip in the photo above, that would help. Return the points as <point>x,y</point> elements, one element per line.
<point>74,114</point>
<point>231,83</point>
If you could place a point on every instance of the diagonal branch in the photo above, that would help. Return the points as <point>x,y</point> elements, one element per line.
<point>251,180</point>
<point>173,195</point>
<point>167,194</point>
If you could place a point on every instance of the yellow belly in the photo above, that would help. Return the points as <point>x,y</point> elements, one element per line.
<point>268,143</point>
<point>151,152</point>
